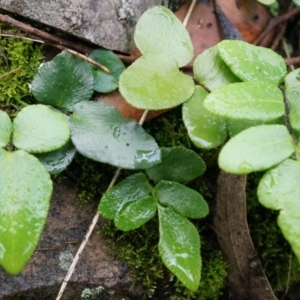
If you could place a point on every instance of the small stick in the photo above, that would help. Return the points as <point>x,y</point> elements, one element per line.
<point>287,53</point>
<point>275,22</point>
<point>10,72</point>
<point>47,37</point>
<point>82,56</point>
<point>84,242</point>
<point>188,14</point>
<point>292,60</point>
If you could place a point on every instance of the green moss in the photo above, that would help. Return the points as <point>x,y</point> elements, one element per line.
<point>138,249</point>
<point>19,61</point>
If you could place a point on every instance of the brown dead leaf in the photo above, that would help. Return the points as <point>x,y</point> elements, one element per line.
<point>128,111</point>
<point>245,274</point>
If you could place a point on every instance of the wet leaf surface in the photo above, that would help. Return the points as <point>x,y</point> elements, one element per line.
<point>179,245</point>
<point>255,100</point>
<point>159,31</point>
<point>38,129</point>
<point>25,191</point>
<point>206,130</point>
<point>63,81</point>
<point>155,82</point>
<point>101,133</point>
<point>106,82</point>
<point>136,214</point>
<point>292,90</point>
<point>178,164</point>
<point>58,160</point>
<point>129,190</point>
<point>5,128</point>
<point>256,149</point>
<point>181,199</point>
<point>249,62</point>
<point>211,71</point>
<point>279,189</point>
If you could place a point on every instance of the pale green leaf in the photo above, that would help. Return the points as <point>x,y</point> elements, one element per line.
<point>254,100</point>
<point>179,247</point>
<point>182,199</point>
<point>101,133</point>
<point>177,164</point>
<point>5,128</point>
<point>255,149</point>
<point>25,191</point>
<point>206,130</point>
<point>211,71</point>
<point>38,129</point>
<point>127,191</point>
<point>136,214</point>
<point>155,82</point>
<point>297,3</point>
<point>58,160</point>
<point>160,31</point>
<point>63,81</point>
<point>267,2</point>
<point>236,126</point>
<point>249,62</point>
<point>279,189</point>
<point>106,82</point>
<point>292,90</point>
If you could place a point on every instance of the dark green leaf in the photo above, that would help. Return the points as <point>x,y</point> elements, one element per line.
<point>183,200</point>
<point>211,71</point>
<point>106,82</point>
<point>38,129</point>
<point>254,100</point>
<point>160,31</point>
<point>249,62</point>
<point>136,214</point>
<point>101,133</point>
<point>25,191</point>
<point>63,82</point>
<point>5,128</point>
<point>177,164</point>
<point>129,190</point>
<point>179,247</point>
<point>279,189</point>
<point>58,160</point>
<point>205,129</point>
<point>256,149</point>
<point>155,82</point>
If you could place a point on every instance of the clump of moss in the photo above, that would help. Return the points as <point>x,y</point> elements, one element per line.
<point>138,249</point>
<point>279,263</point>
<point>19,61</point>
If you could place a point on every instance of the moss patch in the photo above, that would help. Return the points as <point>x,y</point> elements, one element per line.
<point>19,60</point>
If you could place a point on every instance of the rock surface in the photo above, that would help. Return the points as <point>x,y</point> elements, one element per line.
<point>66,226</point>
<point>109,24</point>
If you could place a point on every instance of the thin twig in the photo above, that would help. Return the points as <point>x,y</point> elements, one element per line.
<point>10,72</point>
<point>22,37</point>
<point>287,53</point>
<point>288,278</point>
<point>279,36</point>
<point>188,14</point>
<point>84,242</point>
<point>275,22</point>
<point>292,60</point>
<point>53,40</point>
